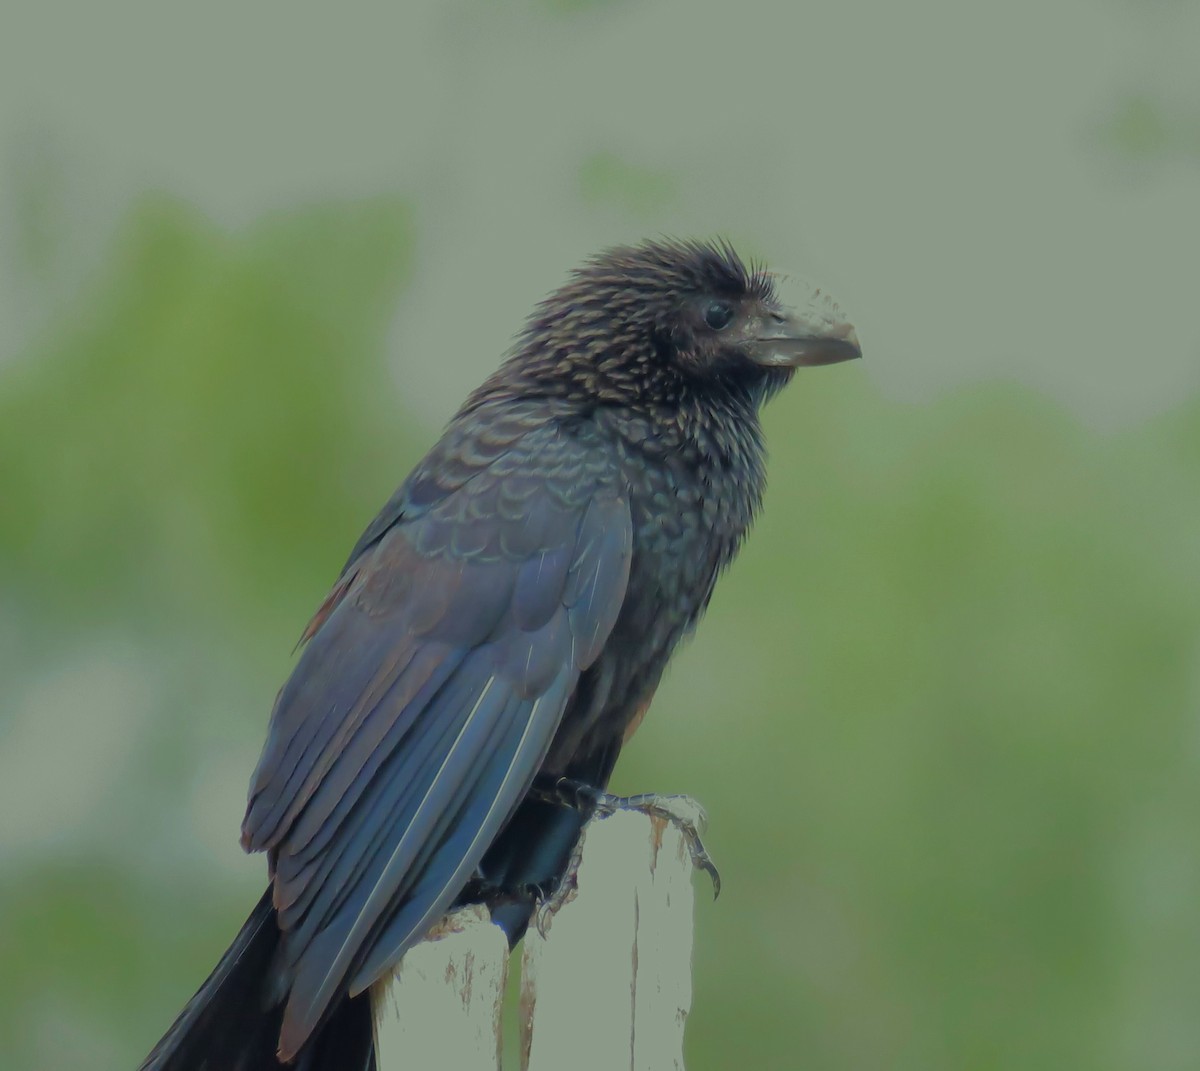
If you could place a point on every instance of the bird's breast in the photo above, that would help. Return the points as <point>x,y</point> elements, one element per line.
<point>691,501</point>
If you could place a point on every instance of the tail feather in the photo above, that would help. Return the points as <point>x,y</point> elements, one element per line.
<point>229,1024</point>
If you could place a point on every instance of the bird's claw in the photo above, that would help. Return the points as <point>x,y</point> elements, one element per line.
<point>549,906</point>
<point>683,812</point>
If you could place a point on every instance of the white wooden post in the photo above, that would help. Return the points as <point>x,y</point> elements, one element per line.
<point>608,987</point>
<point>442,1008</point>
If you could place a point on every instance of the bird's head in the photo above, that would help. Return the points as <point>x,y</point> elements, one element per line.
<point>663,312</point>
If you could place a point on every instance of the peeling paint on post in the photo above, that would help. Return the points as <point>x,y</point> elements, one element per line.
<point>608,988</point>
<point>610,985</point>
<point>442,1008</point>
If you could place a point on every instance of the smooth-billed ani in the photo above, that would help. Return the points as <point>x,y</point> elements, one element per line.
<point>506,617</point>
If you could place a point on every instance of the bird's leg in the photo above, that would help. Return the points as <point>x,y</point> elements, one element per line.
<point>683,812</point>
<point>548,906</point>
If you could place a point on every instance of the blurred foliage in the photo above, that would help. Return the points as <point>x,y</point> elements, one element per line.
<point>607,179</point>
<point>943,711</point>
<point>206,411</point>
<point>1146,129</point>
<point>183,462</point>
<point>960,800</point>
<point>574,7</point>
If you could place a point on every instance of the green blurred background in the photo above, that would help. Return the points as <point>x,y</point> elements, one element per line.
<point>945,710</point>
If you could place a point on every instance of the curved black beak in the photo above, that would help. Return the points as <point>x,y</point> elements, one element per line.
<point>785,340</point>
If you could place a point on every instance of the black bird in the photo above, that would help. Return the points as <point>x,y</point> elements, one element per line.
<point>501,625</point>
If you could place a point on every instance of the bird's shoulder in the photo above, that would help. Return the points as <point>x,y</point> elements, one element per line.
<point>478,490</point>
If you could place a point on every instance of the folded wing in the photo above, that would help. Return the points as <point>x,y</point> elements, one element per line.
<point>425,701</point>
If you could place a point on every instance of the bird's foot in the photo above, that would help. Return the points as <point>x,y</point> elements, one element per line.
<point>683,812</point>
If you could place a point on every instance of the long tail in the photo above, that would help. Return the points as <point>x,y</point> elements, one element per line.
<point>229,1025</point>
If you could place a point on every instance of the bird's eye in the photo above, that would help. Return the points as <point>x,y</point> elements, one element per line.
<point>717,314</point>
